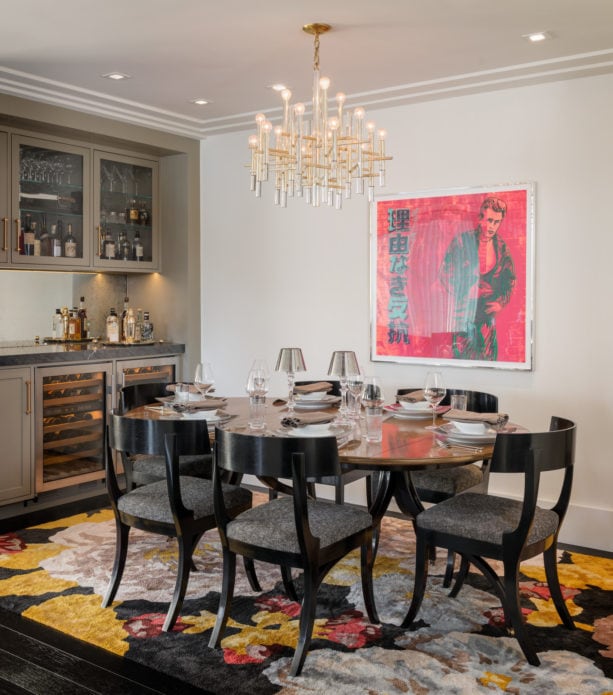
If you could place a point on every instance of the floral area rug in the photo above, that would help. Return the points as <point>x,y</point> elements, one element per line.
<point>56,574</point>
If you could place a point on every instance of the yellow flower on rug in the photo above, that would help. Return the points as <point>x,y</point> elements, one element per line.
<point>31,557</point>
<point>82,617</point>
<point>34,584</point>
<point>584,572</point>
<point>99,516</point>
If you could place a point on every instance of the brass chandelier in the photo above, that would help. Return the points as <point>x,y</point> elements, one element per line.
<point>323,160</point>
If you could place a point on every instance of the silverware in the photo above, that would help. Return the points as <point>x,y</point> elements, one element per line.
<point>466,447</point>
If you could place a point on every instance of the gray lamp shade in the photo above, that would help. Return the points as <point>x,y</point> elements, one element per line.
<point>344,363</point>
<point>290,360</point>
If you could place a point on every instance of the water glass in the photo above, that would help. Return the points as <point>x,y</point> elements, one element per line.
<point>374,424</point>
<point>458,401</point>
<point>181,393</point>
<point>257,385</point>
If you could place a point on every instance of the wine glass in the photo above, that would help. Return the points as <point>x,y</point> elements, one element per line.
<point>258,381</point>
<point>203,378</point>
<point>355,385</point>
<point>434,392</point>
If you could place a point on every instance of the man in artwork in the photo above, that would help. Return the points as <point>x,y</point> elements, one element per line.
<point>479,275</point>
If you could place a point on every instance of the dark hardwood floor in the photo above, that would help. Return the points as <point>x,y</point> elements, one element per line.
<point>38,660</point>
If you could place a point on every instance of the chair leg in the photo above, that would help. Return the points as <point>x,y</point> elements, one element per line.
<point>421,575</point>
<point>251,575</point>
<point>460,577</point>
<point>449,569</point>
<point>121,551</point>
<point>551,571</point>
<point>185,560</point>
<point>227,592</point>
<point>513,610</point>
<point>288,582</point>
<point>307,619</point>
<point>366,564</point>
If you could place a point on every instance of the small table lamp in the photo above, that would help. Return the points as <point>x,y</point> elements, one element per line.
<point>343,364</point>
<point>290,360</point>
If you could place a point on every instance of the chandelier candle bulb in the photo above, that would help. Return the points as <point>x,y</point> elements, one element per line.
<point>317,158</point>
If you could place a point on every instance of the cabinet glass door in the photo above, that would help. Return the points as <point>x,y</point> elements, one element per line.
<point>50,215</point>
<point>5,216</point>
<point>126,210</point>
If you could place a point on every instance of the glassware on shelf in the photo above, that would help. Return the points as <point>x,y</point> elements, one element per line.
<point>290,360</point>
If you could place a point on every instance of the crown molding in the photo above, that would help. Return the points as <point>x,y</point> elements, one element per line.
<point>48,91</point>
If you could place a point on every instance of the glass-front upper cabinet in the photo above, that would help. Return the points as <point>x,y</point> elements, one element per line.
<point>5,215</point>
<point>126,212</point>
<point>50,199</point>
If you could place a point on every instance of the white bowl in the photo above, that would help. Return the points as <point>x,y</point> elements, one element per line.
<point>470,427</point>
<point>313,396</point>
<point>419,405</point>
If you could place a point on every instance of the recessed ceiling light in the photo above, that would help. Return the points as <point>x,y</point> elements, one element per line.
<point>278,87</point>
<point>200,101</point>
<point>537,36</point>
<point>116,76</point>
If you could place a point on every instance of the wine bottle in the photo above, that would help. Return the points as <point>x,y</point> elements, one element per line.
<point>37,239</point>
<point>28,237</point>
<point>112,327</point>
<point>70,243</point>
<point>124,314</point>
<point>83,319</point>
<point>56,239</point>
<point>137,247</point>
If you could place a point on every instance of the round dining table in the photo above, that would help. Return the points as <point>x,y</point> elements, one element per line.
<point>407,445</point>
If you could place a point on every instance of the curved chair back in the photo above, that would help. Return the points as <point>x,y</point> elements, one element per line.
<point>275,457</point>
<point>135,395</point>
<point>476,401</point>
<point>146,436</point>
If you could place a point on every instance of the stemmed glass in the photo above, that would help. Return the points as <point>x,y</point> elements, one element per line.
<point>203,378</point>
<point>434,392</point>
<point>257,384</point>
<point>355,384</point>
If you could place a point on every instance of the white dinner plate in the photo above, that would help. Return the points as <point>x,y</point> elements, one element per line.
<point>457,437</point>
<point>420,406</point>
<point>313,396</point>
<point>323,430</point>
<point>311,404</point>
<point>400,412</point>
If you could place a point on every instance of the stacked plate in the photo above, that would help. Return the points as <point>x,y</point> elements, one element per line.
<point>314,401</point>
<point>410,411</point>
<point>468,433</point>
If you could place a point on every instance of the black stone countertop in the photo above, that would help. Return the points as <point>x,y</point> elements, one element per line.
<point>66,353</point>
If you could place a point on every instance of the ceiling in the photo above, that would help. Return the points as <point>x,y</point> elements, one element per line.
<point>380,53</point>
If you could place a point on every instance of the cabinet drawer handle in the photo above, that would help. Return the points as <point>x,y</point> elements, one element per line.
<point>99,240</point>
<point>5,229</point>
<point>17,235</point>
<point>28,397</point>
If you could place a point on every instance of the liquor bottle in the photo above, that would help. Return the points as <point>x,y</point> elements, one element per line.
<point>70,243</point>
<point>147,333</point>
<point>125,248</point>
<point>56,241</point>
<point>138,331</point>
<point>56,325</point>
<point>83,319</point>
<point>65,318</point>
<point>45,240</point>
<point>28,237</point>
<point>143,215</point>
<point>137,247</point>
<point>37,240</point>
<point>112,327</point>
<point>124,313</point>
<point>109,249</point>
<point>130,327</point>
<point>132,213</point>
<point>74,325</point>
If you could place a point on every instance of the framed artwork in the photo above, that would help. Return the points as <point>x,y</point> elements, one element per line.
<point>452,277</point>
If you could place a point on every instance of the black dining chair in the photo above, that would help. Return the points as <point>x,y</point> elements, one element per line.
<point>479,526</point>
<point>142,469</point>
<point>349,474</point>
<point>434,486</point>
<point>291,530</point>
<point>178,506</point>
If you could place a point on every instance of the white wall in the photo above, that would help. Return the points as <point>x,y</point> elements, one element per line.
<point>299,276</point>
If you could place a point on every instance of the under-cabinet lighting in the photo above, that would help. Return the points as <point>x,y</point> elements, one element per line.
<point>116,76</point>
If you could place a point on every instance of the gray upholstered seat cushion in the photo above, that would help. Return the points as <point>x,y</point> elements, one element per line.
<point>271,525</point>
<point>484,518</point>
<point>155,466</point>
<point>151,501</point>
<point>449,481</point>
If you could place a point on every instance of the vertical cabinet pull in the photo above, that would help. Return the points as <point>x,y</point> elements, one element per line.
<point>99,241</point>
<point>5,231</point>
<point>28,397</point>
<point>17,235</point>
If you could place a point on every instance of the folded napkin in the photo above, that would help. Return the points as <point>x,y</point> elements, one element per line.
<point>413,397</point>
<point>204,404</point>
<point>469,416</point>
<point>313,388</point>
<point>307,419</point>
